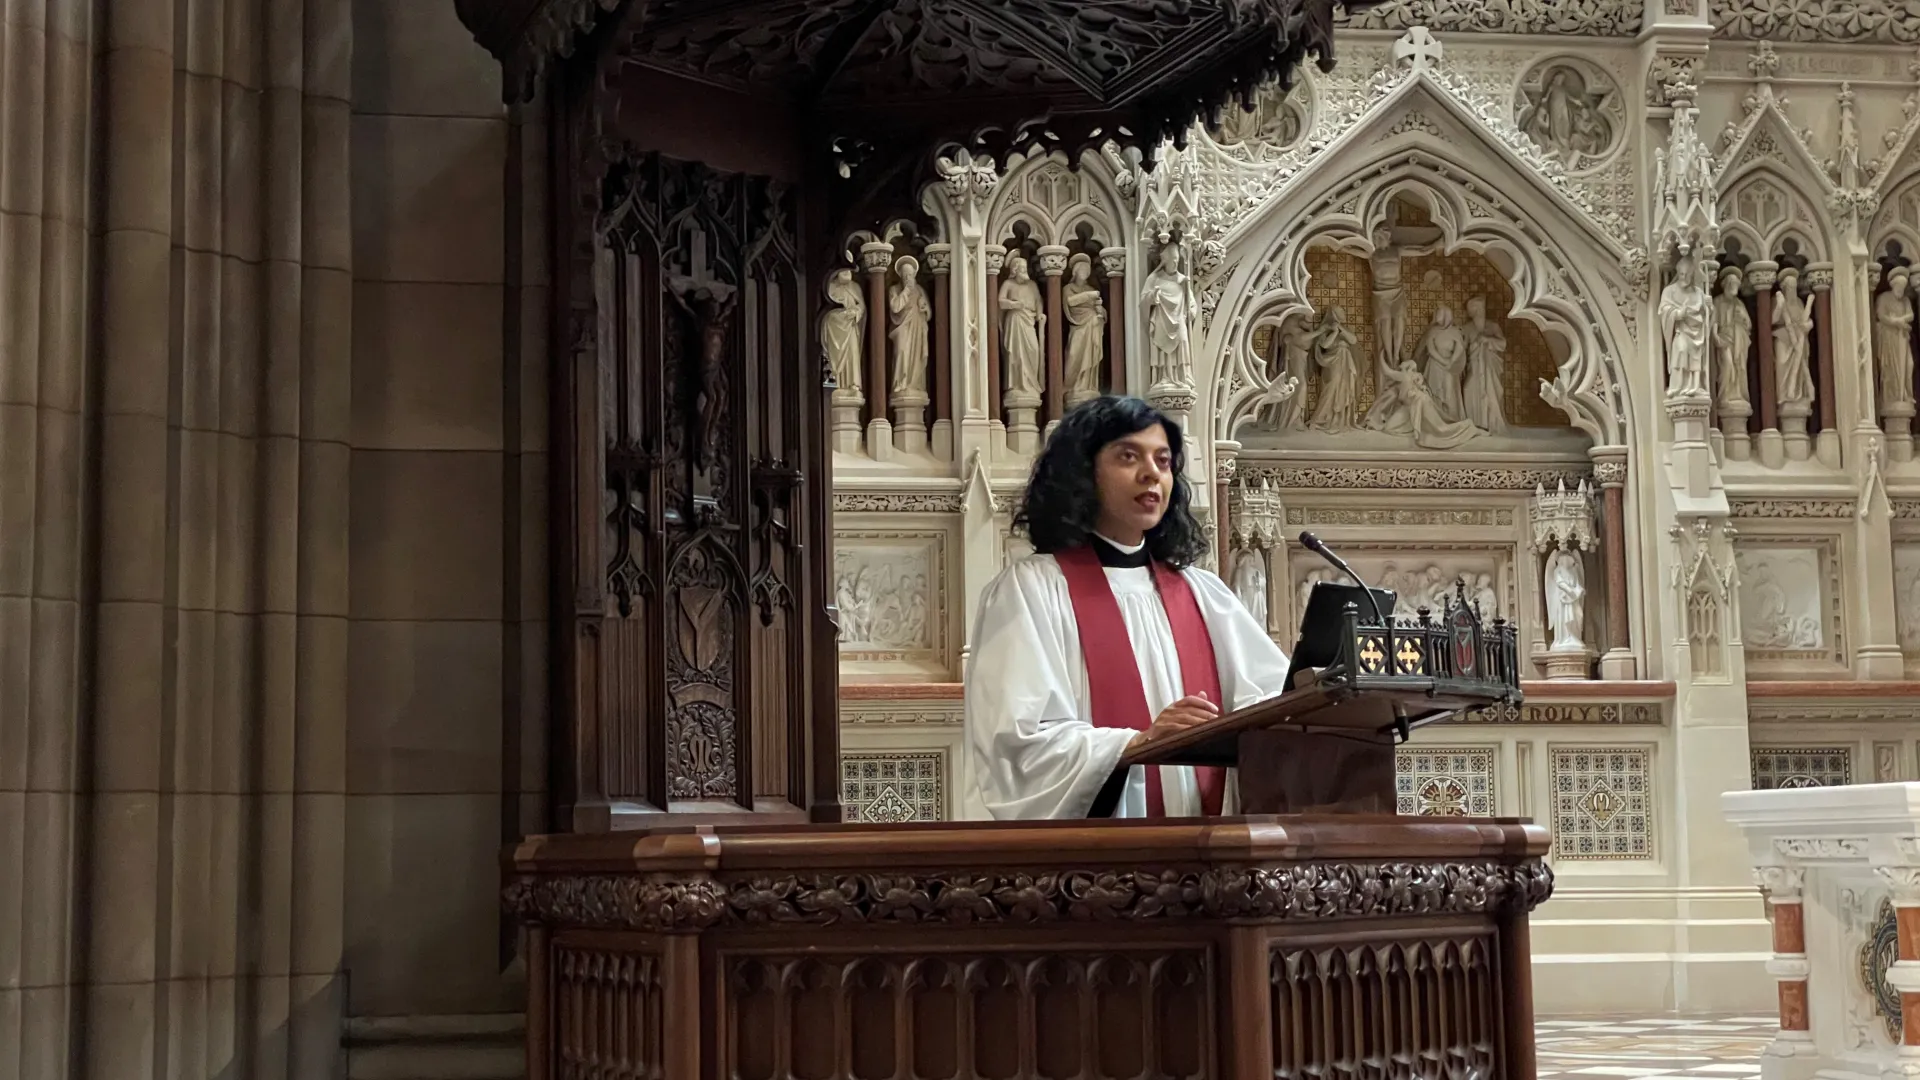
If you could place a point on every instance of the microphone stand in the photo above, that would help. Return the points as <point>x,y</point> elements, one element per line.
<point>1318,547</point>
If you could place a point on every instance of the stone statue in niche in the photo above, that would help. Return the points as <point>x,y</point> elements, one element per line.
<point>1893,339</point>
<point>1167,297</point>
<point>1792,325</point>
<point>1390,247</point>
<point>1443,352</point>
<point>1250,582</point>
<point>843,331</point>
<point>1685,312</point>
<point>1333,345</point>
<point>1086,322</point>
<point>1566,593</point>
<point>1022,314</point>
<point>911,313</point>
<point>1486,369</point>
<point>1732,339</point>
<point>1288,413</point>
<point>1563,115</point>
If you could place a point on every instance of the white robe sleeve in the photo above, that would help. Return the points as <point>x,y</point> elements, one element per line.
<point>1252,668</point>
<point>1035,753</point>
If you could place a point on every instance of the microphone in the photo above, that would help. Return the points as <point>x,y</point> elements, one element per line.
<point>1318,547</point>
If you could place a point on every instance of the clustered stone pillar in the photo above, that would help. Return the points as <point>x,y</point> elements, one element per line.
<point>940,265</point>
<point>1114,261</point>
<point>876,258</point>
<point>1780,886</point>
<point>996,260</point>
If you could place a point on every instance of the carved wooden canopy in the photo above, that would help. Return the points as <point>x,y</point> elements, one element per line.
<point>1151,66</point>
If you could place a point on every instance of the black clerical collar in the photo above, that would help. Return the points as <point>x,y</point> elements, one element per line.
<point>1115,557</point>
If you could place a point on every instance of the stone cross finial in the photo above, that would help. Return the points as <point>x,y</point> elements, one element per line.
<point>1418,47</point>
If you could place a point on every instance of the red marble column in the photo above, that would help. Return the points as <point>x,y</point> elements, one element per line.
<point>1905,881</point>
<point>1114,262</point>
<point>1761,277</point>
<point>1780,886</point>
<point>940,262</point>
<point>1612,477</point>
<point>876,258</point>
<point>1222,518</point>
<point>1053,263</point>
<point>1822,282</point>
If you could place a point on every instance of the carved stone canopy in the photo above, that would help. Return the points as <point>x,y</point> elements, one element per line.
<point>1151,66</point>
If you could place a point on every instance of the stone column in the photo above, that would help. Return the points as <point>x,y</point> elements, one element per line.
<point>996,258</point>
<point>1780,888</point>
<point>1826,447</point>
<point>1904,975</point>
<point>1225,455</point>
<point>876,258</point>
<point>1114,261</point>
<point>1610,473</point>
<point>1053,263</point>
<point>939,265</point>
<point>1760,276</point>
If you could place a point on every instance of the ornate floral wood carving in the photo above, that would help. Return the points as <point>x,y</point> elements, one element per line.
<point>1301,891</point>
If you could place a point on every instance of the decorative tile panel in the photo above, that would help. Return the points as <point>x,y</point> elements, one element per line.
<point>1801,766</point>
<point>1452,781</point>
<point>894,787</point>
<point>1602,803</point>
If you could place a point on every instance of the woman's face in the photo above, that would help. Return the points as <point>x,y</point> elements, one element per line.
<point>1134,477</point>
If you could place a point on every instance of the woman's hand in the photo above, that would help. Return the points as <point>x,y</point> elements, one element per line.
<point>1179,716</point>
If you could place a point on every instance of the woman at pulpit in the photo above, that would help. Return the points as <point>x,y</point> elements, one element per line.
<point>1109,635</point>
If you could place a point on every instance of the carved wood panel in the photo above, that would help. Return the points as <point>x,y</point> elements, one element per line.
<point>1120,1012</point>
<point>1375,1009</point>
<point>609,1014</point>
<point>696,416</point>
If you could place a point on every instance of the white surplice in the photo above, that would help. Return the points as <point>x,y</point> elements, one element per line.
<point>1034,749</point>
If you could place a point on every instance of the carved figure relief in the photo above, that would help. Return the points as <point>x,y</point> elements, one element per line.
<point>1486,369</point>
<point>843,330</point>
<point>1167,299</point>
<point>1022,316</point>
<point>1781,599</point>
<point>1732,341</point>
<point>1250,582</point>
<point>1427,584</point>
<point>1684,314</point>
<point>1086,316</point>
<point>1442,353</point>
<point>1570,109</point>
<point>1391,246</point>
<point>883,601</point>
<point>1792,330</point>
<point>1333,355</point>
<point>1284,413</point>
<point>1565,589</point>
<point>701,679</point>
<point>1893,340</point>
<point>1275,121</point>
<point>711,312</point>
<point>1409,407</point>
<point>910,312</point>
<point>1906,586</point>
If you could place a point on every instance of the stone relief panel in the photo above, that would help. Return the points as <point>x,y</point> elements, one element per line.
<point>1451,781</point>
<point>1582,18</point>
<point>1790,601</point>
<point>1422,575</point>
<point>891,587</point>
<point>894,787</point>
<point>1572,109</point>
<point>1602,803</point>
<point>1825,21</point>
<point>1801,766</point>
<point>1906,585</point>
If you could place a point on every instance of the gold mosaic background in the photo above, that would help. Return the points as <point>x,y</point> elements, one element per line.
<point>1338,278</point>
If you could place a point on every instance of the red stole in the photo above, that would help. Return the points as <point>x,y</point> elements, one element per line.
<point>1119,699</point>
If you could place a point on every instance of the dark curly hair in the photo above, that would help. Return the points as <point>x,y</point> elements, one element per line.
<point>1062,501</point>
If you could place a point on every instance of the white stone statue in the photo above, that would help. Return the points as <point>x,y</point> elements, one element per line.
<point>1412,410</point>
<point>1792,326</point>
<point>1023,313</point>
<point>1390,246</point>
<point>1685,311</point>
<point>1297,336</point>
<point>1333,345</point>
<point>911,312</point>
<point>1250,582</point>
<point>1086,317</point>
<point>1732,339</point>
<point>1167,298</point>
<point>1485,389</point>
<point>1443,352</point>
<point>843,330</point>
<point>1566,595</point>
<point>1893,340</point>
